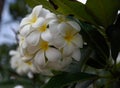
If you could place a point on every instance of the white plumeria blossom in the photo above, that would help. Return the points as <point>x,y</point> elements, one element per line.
<point>20,66</point>
<point>67,37</point>
<point>32,20</point>
<point>35,25</point>
<point>46,52</point>
<point>49,41</point>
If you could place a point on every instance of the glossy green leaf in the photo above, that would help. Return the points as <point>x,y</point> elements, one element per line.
<point>100,50</point>
<point>69,7</point>
<point>61,80</point>
<point>103,11</point>
<point>45,4</point>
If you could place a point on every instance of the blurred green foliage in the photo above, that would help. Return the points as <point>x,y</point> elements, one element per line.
<point>18,9</point>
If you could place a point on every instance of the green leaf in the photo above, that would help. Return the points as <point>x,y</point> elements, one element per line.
<point>61,80</point>
<point>113,34</point>
<point>45,4</point>
<point>100,50</point>
<point>103,11</point>
<point>67,7</point>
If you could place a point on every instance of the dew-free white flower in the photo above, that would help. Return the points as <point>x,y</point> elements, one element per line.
<point>20,66</point>
<point>41,31</point>
<point>38,28</point>
<point>33,20</point>
<point>68,40</point>
<point>46,53</point>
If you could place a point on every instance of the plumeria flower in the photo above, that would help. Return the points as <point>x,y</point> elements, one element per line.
<point>41,31</point>
<point>20,66</point>
<point>46,53</point>
<point>69,41</point>
<point>36,26</point>
<point>32,20</point>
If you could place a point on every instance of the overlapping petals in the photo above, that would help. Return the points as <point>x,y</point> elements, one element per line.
<point>20,66</point>
<point>50,42</point>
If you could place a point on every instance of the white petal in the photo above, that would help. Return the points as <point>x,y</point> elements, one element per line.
<point>76,54</point>
<point>44,12</point>
<point>63,27</point>
<point>32,49</point>
<point>68,50</point>
<point>37,10</point>
<point>65,63</point>
<point>46,36</point>
<point>25,30</point>
<point>33,38</point>
<point>66,29</point>
<point>13,52</point>
<point>53,29</point>
<point>78,41</point>
<point>53,54</point>
<point>74,25</point>
<point>21,50</point>
<point>33,68</point>
<point>24,44</point>
<point>26,58</point>
<point>25,21</point>
<point>38,23</point>
<point>61,64</point>
<point>54,21</point>
<point>58,42</point>
<point>50,16</point>
<point>39,59</point>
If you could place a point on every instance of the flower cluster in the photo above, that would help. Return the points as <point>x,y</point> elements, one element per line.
<point>50,42</point>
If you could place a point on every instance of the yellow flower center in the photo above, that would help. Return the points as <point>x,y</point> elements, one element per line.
<point>33,20</point>
<point>22,38</point>
<point>44,45</point>
<point>43,28</point>
<point>29,63</point>
<point>68,37</point>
